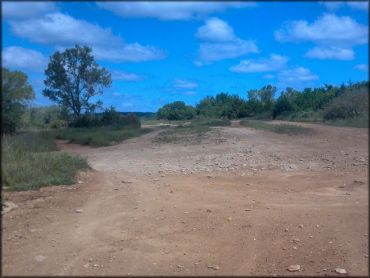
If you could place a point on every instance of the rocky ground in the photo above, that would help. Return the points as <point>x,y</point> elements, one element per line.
<point>239,202</point>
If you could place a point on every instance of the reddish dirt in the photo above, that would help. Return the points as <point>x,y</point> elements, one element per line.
<point>253,203</point>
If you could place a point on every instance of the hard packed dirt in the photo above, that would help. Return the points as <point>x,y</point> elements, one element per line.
<point>239,202</point>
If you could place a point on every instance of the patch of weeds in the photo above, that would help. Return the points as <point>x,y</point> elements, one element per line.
<point>29,161</point>
<point>289,129</point>
<point>100,136</point>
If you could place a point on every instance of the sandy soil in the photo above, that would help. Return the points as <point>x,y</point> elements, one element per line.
<point>240,202</point>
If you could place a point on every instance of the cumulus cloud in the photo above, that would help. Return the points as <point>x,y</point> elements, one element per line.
<point>296,74</point>
<point>170,10</point>
<point>63,30</point>
<point>334,53</point>
<point>276,62</point>
<point>327,29</point>
<point>220,43</point>
<point>24,10</point>
<point>184,84</point>
<point>20,58</point>
<point>125,76</point>
<point>362,67</point>
<point>215,30</point>
<point>334,35</point>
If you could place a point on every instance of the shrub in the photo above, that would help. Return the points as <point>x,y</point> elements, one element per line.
<point>86,120</point>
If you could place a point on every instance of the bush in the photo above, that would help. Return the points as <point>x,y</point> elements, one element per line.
<point>110,117</point>
<point>349,105</point>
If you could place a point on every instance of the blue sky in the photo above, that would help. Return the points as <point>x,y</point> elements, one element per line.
<point>165,51</point>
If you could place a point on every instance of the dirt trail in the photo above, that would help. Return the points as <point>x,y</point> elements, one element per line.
<point>242,202</point>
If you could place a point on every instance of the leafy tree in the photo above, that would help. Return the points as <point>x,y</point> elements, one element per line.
<point>266,95</point>
<point>285,103</point>
<point>73,78</point>
<point>16,91</point>
<point>222,106</point>
<point>177,110</point>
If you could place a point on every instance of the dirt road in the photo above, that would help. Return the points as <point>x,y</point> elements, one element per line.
<point>241,202</point>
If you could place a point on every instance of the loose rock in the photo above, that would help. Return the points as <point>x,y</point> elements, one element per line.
<point>340,270</point>
<point>215,267</point>
<point>40,258</point>
<point>79,210</point>
<point>295,267</point>
<point>8,206</point>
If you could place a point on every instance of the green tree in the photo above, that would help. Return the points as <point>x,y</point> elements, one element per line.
<point>177,110</point>
<point>266,95</point>
<point>16,92</point>
<point>73,78</point>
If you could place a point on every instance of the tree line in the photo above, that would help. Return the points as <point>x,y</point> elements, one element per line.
<point>327,103</point>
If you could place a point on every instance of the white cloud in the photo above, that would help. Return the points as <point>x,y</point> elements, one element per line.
<point>276,62</point>
<point>190,93</point>
<point>63,30</point>
<point>219,42</point>
<point>125,76</point>
<point>296,74</point>
<point>332,6</point>
<point>215,30</point>
<point>269,76</point>
<point>362,67</point>
<point>23,10</point>
<point>24,59</point>
<point>133,52</point>
<point>327,29</point>
<point>184,84</point>
<point>170,10</point>
<point>364,5</point>
<point>211,52</point>
<point>334,53</point>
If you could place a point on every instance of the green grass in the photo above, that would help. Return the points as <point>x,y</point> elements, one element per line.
<point>211,122</point>
<point>100,136</point>
<point>289,129</point>
<point>190,133</point>
<point>360,122</point>
<point>182,134</point>
<point>29,161</point>
<point>162,121</point>
<point>302,116</point>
